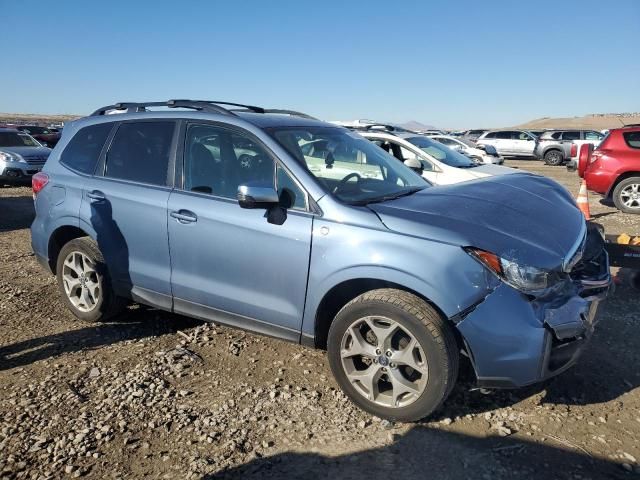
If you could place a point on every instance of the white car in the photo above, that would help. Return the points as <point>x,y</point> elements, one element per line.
<point>440,164</point>
<point>488,154</point>
<point>510,143</point>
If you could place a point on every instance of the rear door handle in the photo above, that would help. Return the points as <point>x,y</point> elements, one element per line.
<point>96,195</point>
<point>184,216</point>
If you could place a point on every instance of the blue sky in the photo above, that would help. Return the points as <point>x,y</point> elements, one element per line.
<point>448,63</point>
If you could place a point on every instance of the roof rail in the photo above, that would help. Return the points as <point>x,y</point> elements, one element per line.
<point>213,106</point>
<point>130,107</point>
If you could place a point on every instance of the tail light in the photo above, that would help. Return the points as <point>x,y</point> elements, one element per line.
<point>584,158</point>
<point>38,182</point>
<point>574,150</point>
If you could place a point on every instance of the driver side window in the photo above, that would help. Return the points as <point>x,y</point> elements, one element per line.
<point>217,160</point>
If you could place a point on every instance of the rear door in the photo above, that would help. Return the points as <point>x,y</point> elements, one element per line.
<point>523,143</point>
<point>504,142</point>
<point>125,203</point>
<point>230,263</point>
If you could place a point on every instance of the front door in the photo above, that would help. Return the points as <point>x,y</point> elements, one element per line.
<point>228,263</point>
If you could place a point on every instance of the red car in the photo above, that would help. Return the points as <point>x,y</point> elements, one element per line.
<point>49,137</point>
<point>613,168</point>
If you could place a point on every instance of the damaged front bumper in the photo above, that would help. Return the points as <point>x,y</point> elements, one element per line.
<point>514,340</point>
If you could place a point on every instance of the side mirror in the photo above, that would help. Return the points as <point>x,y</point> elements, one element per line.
<point>414,164</point>
<point>250,196</point>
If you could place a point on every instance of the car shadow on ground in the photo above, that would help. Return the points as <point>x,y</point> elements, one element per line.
<point>428,453</point>
<point>16,213</point>
<point>136,323</point>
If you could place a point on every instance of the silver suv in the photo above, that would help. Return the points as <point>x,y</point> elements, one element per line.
<point>510,143</point>
<point>554,146</point>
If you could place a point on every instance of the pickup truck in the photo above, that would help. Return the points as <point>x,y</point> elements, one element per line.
<point>554,146</point>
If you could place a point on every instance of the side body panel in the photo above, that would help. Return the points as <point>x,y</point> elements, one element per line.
<point>233,260</point>
<point>365,249</point>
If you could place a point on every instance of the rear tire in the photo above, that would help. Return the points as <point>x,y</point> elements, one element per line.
<point>393,354</point>
<point>553,157</point>
<point>84,282</point>
<point>626,195</point>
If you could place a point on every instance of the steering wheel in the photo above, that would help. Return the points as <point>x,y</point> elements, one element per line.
<point>344,181</point>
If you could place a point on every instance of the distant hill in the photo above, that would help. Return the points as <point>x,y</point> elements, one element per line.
<point>596,121</point>
<point>26,118</point>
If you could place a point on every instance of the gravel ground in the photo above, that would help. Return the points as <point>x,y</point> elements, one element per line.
<point>162,396</point>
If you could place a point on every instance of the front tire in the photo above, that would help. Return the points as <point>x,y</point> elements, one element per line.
<point>553,157</point>
<point>393,354</point>
<point>84,282</point>
<point>626,195</point>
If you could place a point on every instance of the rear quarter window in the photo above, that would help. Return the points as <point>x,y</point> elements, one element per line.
<point>632,139</point>
<point>83,150</point>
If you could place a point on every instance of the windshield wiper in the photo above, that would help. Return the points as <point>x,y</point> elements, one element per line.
<point>392,196</point>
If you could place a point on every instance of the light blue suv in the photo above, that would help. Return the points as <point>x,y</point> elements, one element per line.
<point>275,222</point>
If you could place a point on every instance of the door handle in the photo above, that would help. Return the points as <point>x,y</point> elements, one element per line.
<point>184,216</point>
<point>96,195</point>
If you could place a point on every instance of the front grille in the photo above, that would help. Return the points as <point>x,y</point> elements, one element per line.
<point>36,160</point>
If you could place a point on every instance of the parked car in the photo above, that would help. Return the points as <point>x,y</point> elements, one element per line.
<point>510,143</point>
<point>48,137</point>
<point>473,135</point>
<point>440,165</point>
<point>481,154</point>
<point>554,146</point>
<point>21,156</point>
<point>614,169</point>
<point>227,215</point>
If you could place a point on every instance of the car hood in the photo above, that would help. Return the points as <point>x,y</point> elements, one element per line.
<point>27,152</point>
<point>525,218</point>
<point>489,169</point>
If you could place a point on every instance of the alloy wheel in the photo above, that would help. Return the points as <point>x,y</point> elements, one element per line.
<point>384,361</point>
<point>81,281</point>
<point>630,196</point>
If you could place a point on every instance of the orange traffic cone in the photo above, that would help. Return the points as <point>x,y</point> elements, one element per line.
<point>583,200</point>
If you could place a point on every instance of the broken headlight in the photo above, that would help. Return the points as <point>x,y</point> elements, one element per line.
<point>525,278</point>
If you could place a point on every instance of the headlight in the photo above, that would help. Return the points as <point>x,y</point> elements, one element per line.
<point>10,157</point>
<point>521,277</point>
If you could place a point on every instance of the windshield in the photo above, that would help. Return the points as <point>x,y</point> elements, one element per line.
<point>15,139</point>
<point>352,168</point>
<point>440,152</point>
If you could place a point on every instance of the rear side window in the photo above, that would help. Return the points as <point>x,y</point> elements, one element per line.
<point>632,139</point>
<point>505,135</point>
<point>140,152</point>
<point>571,136</point>
<point>82,152</point>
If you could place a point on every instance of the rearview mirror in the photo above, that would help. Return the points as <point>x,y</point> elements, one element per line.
<point>250,196</point>
<point>414,164</point>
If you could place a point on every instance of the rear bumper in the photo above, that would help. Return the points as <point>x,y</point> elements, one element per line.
<point>598,181</point>
<point>513,341</point>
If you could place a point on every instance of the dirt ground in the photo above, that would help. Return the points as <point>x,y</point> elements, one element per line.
<point>162,396</point>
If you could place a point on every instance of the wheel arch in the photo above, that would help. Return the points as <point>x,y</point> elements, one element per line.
<point>58,239</point>
<point>342,293</point>
<point>620,178</point>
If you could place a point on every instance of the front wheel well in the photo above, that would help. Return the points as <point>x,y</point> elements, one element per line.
<point>620,178</point>
<point>58,239</point>
<point>343,293</point>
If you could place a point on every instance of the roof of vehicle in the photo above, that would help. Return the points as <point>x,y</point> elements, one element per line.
<point>258,116</point>
<point>266,120</point>
<point>2,129</point>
